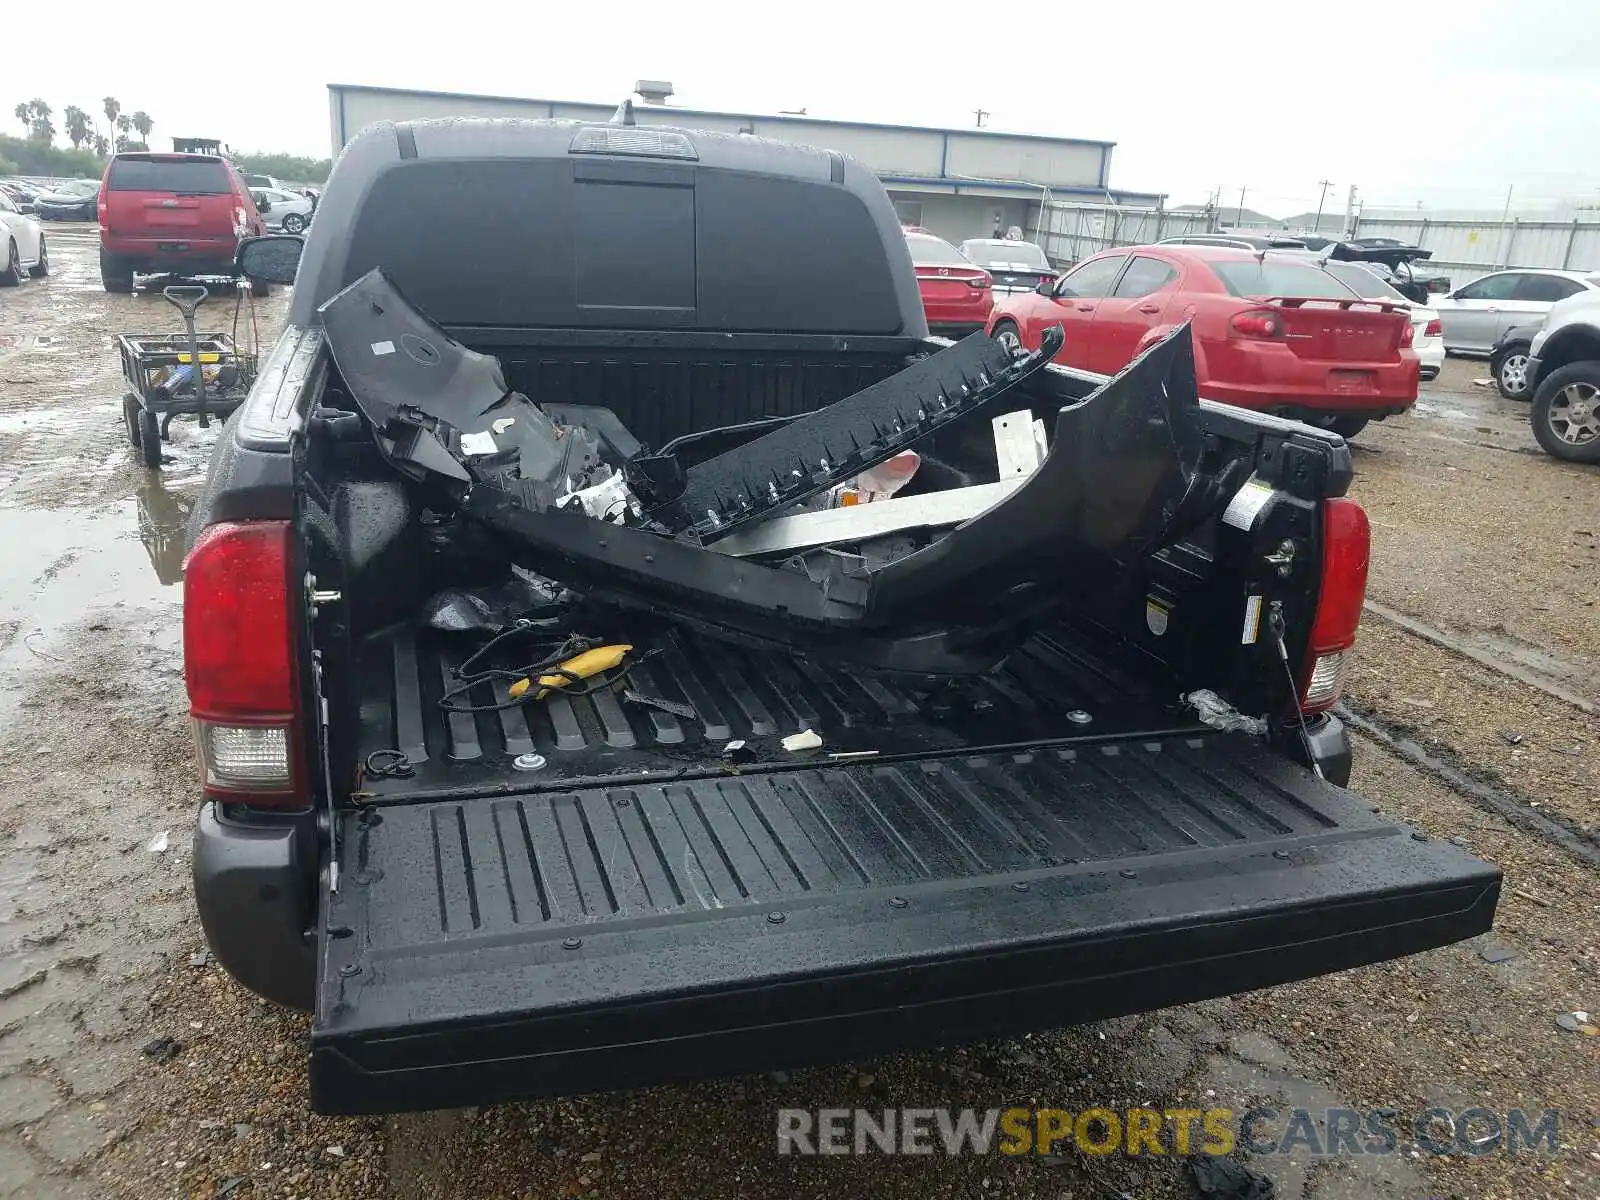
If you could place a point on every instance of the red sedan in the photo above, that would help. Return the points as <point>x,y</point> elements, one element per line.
<point>1270,333</point>
<point>957,295</point>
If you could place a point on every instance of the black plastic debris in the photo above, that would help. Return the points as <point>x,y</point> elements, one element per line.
<point>162,1049</point>
<point>1215,1178</point>
<point>496,608</point>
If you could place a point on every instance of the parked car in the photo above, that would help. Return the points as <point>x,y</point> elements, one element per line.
<point>180,214</point>
<point>1427,330</point>
<point>288,211</point>
<point>24,248</point>
<point>957,294</point>
<point>1400,267</point>
<point>577,893</point>
<point>1238,241</point>
<point>20,194</point>
<point>1564,373</point>
<point>266,181</point>
<point>1014,266</point>
<point>1271,332</point>
<point>1478,315</point>
<point>75,200</point>
<point>1508,361</point>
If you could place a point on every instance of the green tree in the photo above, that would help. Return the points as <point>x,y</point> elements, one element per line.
<point>24,113</point>
<point>291,168</point>
<point>42,129</point>
<point>77,125</point>
<point>143,123</point>
<point>124,128</point>
<point>111,106</point>
<point>102,146</point>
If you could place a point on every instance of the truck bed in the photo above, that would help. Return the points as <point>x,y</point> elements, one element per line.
<point>640,911</point>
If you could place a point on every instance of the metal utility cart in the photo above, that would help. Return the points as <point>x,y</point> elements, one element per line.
<point>164,381</point>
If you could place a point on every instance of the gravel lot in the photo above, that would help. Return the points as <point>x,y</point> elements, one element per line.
<point>1477,535</point>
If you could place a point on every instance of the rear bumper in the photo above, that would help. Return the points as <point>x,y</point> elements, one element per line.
<point>253,886</point>
<point>209,255</point>
<point>954,329</point>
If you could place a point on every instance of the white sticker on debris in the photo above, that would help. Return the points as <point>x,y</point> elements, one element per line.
<point>1247,504</point>
<point>379,349</point>
<point>479,443</point>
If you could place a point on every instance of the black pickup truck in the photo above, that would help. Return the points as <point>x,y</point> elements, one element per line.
<point>1075,754</point>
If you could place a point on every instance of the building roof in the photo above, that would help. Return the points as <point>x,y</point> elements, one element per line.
<point>725,114</point>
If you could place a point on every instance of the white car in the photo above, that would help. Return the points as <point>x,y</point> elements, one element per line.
<point>1426,324</point>
<point>22,248</point>
<point>1477,316</point>
<point>290,211</point>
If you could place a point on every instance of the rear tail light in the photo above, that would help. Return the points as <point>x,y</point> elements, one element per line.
<point>239,663</point>
<point>1435,328</point>
<point>1346,544</point>
<point>981,282</point>
<point>1408,336</point>
<point>1256,323</point>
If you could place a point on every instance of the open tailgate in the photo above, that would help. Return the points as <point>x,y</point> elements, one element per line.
<point>634,932</point>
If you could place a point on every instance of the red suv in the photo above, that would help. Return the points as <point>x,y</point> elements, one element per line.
<point>178,214</point>
<point>1270,332</point>
<point>957,294</point>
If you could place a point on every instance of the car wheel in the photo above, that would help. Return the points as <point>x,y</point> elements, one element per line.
<point>12,275</point>
<point>130,417</point>
<point>115,274</point>
<point>293,222</point>
<point>1346,427</point>
<point>1511,372</point>
<point>41,268</point>
<point>1009,336</point>
<point>150,439</point>
<point>1566,413</point>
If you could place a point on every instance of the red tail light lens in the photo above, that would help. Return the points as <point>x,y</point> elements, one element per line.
<point>1434,328</point>
<point>239,661</point>
<point>1346,548</point>
<point>981,282</point>
<point>1256,323</point>
<point>1408,336</point>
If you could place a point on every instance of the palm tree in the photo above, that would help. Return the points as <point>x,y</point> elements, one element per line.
<point>42,129</point>
<point>143,123</point>
<point>111,106</point>
<point>124,127</point>
<point>24,113</point>
<point>101,146</point>
<point>77,125</point>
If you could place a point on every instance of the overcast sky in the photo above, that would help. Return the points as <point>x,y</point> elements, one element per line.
<point>1447,102</point>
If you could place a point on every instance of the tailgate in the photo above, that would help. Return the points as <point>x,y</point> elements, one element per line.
<point>638,931</point>
<point>1355,331</point>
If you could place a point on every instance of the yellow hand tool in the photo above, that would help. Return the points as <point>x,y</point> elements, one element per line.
<point>590,662</point>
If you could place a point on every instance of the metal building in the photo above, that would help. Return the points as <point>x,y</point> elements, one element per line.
<point>958,183</point>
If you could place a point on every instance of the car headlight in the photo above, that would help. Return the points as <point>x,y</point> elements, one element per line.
<point>1538,340</point>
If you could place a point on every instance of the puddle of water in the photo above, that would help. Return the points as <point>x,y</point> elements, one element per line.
<point>64,564</point>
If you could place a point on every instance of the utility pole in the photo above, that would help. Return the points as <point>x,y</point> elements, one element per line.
<point>1507,233</point>
<point>981,114</point>
<point>1240,221</point>
<point>1326,184</point>
<point>1350,212</point>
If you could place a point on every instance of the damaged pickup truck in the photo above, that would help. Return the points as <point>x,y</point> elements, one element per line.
<point>624,647</point>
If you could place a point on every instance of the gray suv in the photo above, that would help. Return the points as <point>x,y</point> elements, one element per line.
<point>1564,372</point>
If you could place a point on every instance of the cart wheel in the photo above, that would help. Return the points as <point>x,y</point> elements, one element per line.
<point>150,439</point>
<point>130,417</point>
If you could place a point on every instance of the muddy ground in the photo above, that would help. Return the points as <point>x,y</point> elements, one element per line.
<point>1480,541</point>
